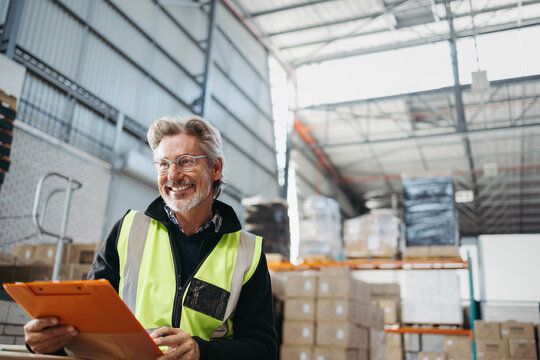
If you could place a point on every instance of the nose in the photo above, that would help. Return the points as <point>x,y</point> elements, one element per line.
<point>174,172</point>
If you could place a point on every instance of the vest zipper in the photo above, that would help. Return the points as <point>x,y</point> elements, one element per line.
<point>178,304</point>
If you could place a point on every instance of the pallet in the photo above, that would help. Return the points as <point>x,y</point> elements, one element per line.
<point>308,258</point>
<point>8,101</point>
<point>433,325</point>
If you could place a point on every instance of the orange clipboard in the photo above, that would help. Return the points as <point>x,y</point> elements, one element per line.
<point>107,328</point>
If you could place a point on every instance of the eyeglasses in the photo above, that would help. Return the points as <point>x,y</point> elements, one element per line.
<point>184,163</point>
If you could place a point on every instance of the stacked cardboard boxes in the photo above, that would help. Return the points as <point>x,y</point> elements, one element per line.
<point>394,346</point>
<point>374,235</point>
<point>298,290</point>
<point>271,221</point>
<point>349,325</point>
<point>388,298</point>
<point>457,347</point>
<point>506,340</point>
<point>328,315</point>
<point>35,262</point>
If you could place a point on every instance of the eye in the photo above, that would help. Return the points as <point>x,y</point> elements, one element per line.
<point>185,162</point>
<point>163,164</point>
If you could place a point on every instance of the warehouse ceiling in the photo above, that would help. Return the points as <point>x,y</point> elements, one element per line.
<point>486,138</point>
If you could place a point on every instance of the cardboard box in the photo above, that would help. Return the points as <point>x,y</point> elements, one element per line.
<point>522,348</point>
<point>486,330</point>
<point>457,344</point>
<point>344,271</point>
<point>23,253</point>
<point>82,253</point>
<point>432,343</point>
<point>385,291</point>
<point>331,353</point>
<point>538,337</point>
<point>394,340</point>
<point>411,342</point>
<point>391,310</point>
<point>300,285</point>
<point>298,333</point>
<point>293,352</point>
<point>344,310</point>
<point>341,334</point>
<point>394,353</point>
<point>491,347</point>
<point>74,271</point>
<point>431,356</point>
<point>459,356</point>
<point>377,344</point>
<point>333,287</point>
<point>516,330</point>
<point>7,259</point>
<point>377,317</point>
<point>299,309</point>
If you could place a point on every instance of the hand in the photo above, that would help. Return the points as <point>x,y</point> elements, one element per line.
<point>181,344</point>
<point>45,336</point>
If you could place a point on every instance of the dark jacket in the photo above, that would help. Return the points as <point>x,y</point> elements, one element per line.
<point>254,332</point>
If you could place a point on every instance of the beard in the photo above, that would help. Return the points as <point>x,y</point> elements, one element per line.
<point>184,205</point>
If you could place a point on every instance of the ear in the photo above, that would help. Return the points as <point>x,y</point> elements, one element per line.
<point>217,170</point>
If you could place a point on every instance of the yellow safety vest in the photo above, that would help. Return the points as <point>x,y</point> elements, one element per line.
<point>148,280</point>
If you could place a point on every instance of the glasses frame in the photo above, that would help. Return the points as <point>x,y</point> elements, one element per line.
<point>194,157</point>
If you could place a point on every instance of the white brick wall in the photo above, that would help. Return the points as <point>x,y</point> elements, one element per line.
<point>33,155</point>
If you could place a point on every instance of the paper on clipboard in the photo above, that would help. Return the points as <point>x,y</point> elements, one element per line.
<point>107,328</point>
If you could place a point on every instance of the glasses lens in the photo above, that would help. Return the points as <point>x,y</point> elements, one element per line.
<point>162,165</point>
<point>186,162</point>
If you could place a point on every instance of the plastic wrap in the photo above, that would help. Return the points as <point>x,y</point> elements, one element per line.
<point>320,227</point>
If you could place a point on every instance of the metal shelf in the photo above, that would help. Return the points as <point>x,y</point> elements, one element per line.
<point>438,264</point>
<point>429,330</point>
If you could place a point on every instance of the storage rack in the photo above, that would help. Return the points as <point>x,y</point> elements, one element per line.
<point>424,264</point>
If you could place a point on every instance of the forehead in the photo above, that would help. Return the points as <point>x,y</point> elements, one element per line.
<point>172,146</point>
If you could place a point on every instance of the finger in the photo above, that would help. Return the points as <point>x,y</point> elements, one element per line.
<point>161,332</point>
<point>51,339</point>
<point>185,348</point>
<point>40,323</point>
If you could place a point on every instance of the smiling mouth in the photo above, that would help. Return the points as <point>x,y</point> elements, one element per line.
<point>181,188</point>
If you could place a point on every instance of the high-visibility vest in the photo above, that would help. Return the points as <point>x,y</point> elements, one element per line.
<point>148,282</point>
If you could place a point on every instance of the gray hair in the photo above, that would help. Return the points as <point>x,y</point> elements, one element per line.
<point>209,140</point>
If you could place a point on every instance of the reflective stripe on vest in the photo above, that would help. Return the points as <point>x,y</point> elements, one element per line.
<point>148,284</point>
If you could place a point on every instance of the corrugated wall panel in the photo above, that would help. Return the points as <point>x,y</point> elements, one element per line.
<point>165,32</point>
<point>254,84</point>
<point>233,131</point>
<point>3,10</point>
<point>237,103</point>
<point>51,35</point>
<point>244,40</point>
<point>244,175</point>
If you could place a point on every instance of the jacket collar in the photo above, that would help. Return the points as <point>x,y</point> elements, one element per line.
<point>230,223</point>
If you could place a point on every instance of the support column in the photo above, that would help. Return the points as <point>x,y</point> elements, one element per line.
<point>209,60</point>
<point>11,28</point>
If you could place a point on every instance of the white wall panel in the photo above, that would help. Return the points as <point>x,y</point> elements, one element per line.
<point>246,176</point>
<point>3,10</point>
<point>254,84</point>
<point>48,33</point>
<point>236,102</point>
<point>233,131</point>
<point>244,40</point>
<point>165,32</point>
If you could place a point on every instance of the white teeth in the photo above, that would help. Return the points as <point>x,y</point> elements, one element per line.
<point>180,188</point>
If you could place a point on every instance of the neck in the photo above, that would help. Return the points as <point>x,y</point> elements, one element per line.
<point>192,220</point>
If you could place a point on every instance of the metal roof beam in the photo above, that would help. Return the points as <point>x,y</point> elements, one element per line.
<point>379,13</point>
<point>415,42</point>
<point>286,8</point>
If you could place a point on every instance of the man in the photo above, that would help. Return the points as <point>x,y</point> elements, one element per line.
<point>184,267</point>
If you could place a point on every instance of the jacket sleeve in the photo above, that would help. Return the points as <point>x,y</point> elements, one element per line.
<point>254,334</point>
<point>106,265</point>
